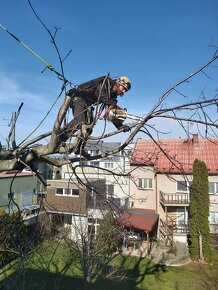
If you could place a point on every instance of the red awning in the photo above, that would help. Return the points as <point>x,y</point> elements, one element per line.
<point>140,219</point>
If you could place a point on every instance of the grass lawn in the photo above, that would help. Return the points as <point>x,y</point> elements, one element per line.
<point>52,268</point>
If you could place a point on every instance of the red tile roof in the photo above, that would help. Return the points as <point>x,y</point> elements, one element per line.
<point>177,155</point>
<point>140,219</point>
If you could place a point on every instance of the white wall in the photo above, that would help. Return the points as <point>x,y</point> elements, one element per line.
<point>78,227</point>
<point>143,198</point>
<point>121,183</point>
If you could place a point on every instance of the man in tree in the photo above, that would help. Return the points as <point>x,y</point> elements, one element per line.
<point>102,90</point>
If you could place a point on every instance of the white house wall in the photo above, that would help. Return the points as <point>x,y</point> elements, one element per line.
<point>149,198</point>
<point>169,185</point>
<point>142,198</point>
<point>121,183</point>
<point>78,227</point>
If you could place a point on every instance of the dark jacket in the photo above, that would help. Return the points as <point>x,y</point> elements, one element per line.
<point>100,89</point>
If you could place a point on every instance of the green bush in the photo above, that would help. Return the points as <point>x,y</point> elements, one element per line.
<point>12,236</point>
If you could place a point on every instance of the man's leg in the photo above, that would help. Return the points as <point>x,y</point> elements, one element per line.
<point>80,148</point>
<point>79,108</point>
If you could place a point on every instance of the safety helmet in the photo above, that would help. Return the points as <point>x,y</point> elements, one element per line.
<point>125,82</point>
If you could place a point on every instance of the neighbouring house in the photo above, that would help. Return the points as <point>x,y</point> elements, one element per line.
<point>162,175</point>
<point>22,191</point>
<point>117,187</point>
<point>153,192</point>
<point>141,223</point>
<point>114,169</point>
<point>76,206</point>
<point>45,170</point>
<point>17,190</point>
<point>71,203</point>
<point>118,160</point>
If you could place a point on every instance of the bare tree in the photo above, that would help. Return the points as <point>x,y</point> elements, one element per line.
<point>28,153</point>
<point>90,254</point>
<point>197,112</point>
<point>93,250</point>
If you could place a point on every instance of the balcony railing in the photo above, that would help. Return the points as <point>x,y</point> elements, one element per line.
<point>181,229</point>
<point>118,203</point>
<point>174,199</point>
<point>214,228</point>
<point>170,227</point>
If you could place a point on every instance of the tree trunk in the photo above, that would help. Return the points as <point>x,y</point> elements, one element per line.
<point>200,247</point>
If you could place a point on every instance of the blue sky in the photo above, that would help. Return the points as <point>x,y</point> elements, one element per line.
<point>155,43</point>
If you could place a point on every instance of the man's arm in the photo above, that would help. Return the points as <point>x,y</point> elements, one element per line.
<point>103,93</point>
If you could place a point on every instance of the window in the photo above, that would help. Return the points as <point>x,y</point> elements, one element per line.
<point>91,198</point>
<point>108,165</point>
<point>93,226</point>
<point>94,152</point>
<point>213,187</point>
<point>75,192</point>
<point>181,217</point>
<point>59,190</point>
<point>145,183</point>
<point>127,153</point>
<point>183,186</point>
<point>94,163</point>
<point>67,191</point>
<point>213,218</point>
<point>110,190</point>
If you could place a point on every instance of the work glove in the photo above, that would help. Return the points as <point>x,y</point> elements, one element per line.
<point>125,128</point>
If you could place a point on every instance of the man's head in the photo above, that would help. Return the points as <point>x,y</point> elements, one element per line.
<point>122,85</point>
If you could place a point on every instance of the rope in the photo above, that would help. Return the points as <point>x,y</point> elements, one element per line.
<point>34,53</point>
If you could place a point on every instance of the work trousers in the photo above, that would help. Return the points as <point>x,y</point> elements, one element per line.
<point>81,114</point>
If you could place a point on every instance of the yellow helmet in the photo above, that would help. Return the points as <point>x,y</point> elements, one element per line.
<point>125,82</point>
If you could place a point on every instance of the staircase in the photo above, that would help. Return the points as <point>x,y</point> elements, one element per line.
<point>166,233</point>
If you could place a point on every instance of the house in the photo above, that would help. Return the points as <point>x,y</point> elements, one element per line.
<point>162,175</point>
<point>17,190</point>
<point>79,206</point>
<point>45,170</point>
<point>117,185</point>
<point>113,161</point>
<point>76,206</point>
<point>114,169</point>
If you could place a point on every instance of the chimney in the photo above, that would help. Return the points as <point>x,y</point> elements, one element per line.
<point>195,140</point>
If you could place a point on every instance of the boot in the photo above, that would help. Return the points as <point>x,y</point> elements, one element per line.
<point>80,149</point>
<point>62,137</point>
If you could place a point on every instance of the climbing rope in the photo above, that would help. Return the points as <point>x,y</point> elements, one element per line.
<point>50,67</point>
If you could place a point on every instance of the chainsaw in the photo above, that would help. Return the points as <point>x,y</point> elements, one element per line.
<point>114,114</point>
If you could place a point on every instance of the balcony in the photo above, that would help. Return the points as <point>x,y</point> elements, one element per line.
<point>118,204</point>
<point>174,199</point>
<point>109,203</point>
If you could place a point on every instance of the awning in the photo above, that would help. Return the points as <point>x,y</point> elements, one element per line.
<point>140,219</point>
